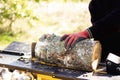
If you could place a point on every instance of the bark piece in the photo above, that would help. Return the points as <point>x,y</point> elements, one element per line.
<point>50,49</point>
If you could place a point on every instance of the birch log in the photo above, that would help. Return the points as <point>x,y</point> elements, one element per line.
<point>85,55</point>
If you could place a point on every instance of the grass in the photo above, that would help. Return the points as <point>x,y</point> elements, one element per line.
<point>6,38</point>
<point>58,18</point>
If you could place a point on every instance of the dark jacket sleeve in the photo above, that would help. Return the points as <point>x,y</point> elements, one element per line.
<point>108,24</point>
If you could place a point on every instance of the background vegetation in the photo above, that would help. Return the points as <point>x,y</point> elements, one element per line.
<point>26,20</point>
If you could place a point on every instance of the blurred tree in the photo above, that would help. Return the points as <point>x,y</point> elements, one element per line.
<point>62,0</point>
<point>14,9</point>
<point>11,10</point>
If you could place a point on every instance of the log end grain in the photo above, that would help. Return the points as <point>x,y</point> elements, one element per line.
<point>96,57</point>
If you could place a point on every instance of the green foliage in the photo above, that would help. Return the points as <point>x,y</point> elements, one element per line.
<point>12,9</point>
<point>6,38</point>
<point>15,9</point>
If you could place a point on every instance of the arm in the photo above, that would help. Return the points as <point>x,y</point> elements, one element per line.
<point>109,24</point>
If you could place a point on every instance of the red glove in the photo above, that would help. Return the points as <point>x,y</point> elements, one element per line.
<point>72,39</point>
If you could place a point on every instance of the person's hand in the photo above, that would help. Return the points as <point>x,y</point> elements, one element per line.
<point>72,39</point>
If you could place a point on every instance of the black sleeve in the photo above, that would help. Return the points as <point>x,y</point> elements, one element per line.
<point>108,24</point>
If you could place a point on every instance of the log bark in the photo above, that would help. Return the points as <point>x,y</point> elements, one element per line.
<point>85,55</point>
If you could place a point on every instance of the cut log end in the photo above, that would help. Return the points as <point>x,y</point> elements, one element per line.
<point>96,57</point>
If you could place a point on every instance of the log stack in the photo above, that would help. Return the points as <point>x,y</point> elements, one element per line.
<point>85,55</point>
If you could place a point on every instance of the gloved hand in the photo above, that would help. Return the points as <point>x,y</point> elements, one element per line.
<point>72,39</point>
